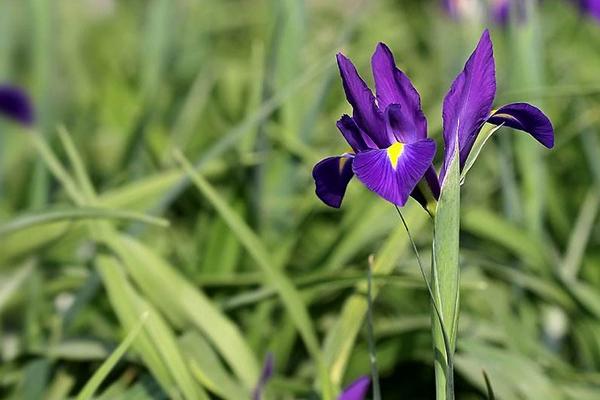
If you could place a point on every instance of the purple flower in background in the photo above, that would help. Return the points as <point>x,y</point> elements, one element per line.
<point>391,153</point>
<point>591,7</point>
<point>463,9</point>
<point>265,375</point>
<point>15,105</point>
<point>357,390</point>
<point>388,135</point>
<point>500,11</point>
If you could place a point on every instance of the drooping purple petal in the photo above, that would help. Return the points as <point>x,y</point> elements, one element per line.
<point>527,118</point>
<point>357,390</point>
<point>357,139</point>
<point>331,177</point>
<point>265,375</point>
<point>15,104</point>
<point>366,113</point>
<point>469,102</point>
<point>393,173</point>
<point>394,87</point>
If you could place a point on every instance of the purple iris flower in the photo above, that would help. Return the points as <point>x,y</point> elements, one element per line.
<point>15,105</point>
<point>391,153</point>
<point>591,7</point>
<point>463,9</point>
<point>357,390</point>
<point>468,106</point>
<point>388,135</point>
<point>499,11</point>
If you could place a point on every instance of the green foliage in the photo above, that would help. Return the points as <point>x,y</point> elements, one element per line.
<point>233,256</point>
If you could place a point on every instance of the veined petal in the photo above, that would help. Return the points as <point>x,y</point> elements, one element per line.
<point>331,177</point>
<point>469,102</point>
<point>526,118</point>
<point>356,138</point>
<point>394,87</point>
<point>398,128</point>
<point>357,390</point>
<point>366,113</point>
<point>15,104</point>
<point>393,173</point>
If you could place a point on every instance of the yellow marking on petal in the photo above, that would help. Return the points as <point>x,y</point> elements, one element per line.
<point>342,163</point>
<point>394,152</point>
<point>507,116</point>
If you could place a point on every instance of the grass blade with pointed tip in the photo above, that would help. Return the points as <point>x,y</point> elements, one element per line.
<point>101,373</point>
<point>289,294</point>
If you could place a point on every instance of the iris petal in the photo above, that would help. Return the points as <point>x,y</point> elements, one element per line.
<point>331,177</point>
<point>15,104</point>
<point>469,102</point>
<point>357,139</point>
<point>526,118</point>
<point>394,87</point>
<point>366,113</point>
<point>394,182</point>
<point>357,390</point>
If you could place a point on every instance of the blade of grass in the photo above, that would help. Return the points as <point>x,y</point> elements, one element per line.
<point>102,372</point>
<point>287,291</point>
<point>47,217</point>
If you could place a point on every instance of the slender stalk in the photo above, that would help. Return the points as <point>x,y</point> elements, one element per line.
<point>371,334</point>
<point>447,345</point>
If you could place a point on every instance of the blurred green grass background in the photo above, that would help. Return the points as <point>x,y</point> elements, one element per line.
<point>251,262</point>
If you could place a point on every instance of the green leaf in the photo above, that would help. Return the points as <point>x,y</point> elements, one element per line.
<point>101,373</point>
<point>40,218</point>
<point>208,368</point>
<point>341,338</point>
<point>157,343</point>
<point>184,304</point>
<point>445,276</point>
<point>287,291</point>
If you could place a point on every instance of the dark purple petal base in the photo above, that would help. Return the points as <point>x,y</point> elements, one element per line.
<point>331,177</point>
<point>526,118</point>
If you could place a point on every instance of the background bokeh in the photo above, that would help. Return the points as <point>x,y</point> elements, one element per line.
<point>249,92</point>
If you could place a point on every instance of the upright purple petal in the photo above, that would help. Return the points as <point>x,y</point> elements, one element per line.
<point>357,390</point>
<point>265,375</point>
<point>394,87</point>
<point>331,177</point>
<point>527,118</point>
<point>15,104</point>
<point>469,102</point>
<point>366,113</point>
<point>393,173</point>
<point>356,138</point>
